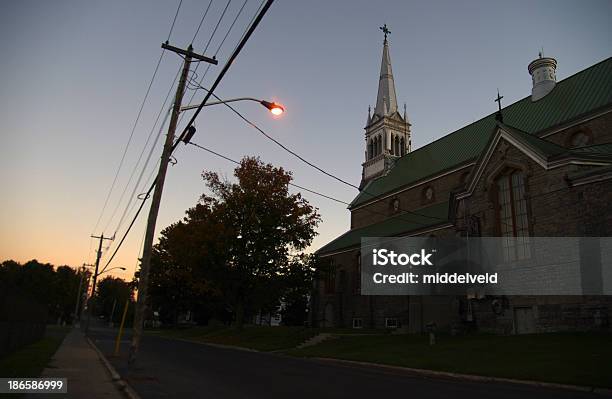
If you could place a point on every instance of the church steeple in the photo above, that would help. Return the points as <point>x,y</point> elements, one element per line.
<point>387,135</point>
<point>386,101</point>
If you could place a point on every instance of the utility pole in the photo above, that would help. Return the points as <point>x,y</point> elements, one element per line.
<point>143,280</point>
<point>95,277</point>
<point>79,293</point>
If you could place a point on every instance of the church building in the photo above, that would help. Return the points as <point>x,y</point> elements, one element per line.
<point>540,167</point>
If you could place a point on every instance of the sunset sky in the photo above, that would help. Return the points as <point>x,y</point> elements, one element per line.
<point>74,73</point>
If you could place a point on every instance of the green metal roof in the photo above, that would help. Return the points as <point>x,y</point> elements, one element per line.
<point>402,223</point>
<point>604,149</point>
<point>577,95</point>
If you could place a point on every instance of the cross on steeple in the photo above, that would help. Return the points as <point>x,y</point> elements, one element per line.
<point>385,30</point>
<point>498,114</point>
<point>498,100</point>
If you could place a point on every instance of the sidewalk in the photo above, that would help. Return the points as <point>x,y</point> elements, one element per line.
<point>79,363</point>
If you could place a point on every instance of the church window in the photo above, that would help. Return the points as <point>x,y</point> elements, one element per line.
<point>395,205</point>
<point>402,147</point>
<point>512,215</point>
<point>428,195</point>
<point>379,150</point>
<point>397,146</point>
<point>391,322</point>
<point>580,139</point>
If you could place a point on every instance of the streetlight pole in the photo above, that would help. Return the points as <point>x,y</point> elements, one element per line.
<point>143,280</point>
<point>95,277</point>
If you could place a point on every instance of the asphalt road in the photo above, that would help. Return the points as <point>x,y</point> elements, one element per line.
<point>176,369</point>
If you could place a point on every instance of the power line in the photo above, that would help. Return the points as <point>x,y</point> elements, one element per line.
<point>127,206</point>
<point>153,147</point>
<point>140,157</point>
<point>167,95</point>
<point>306,161</point>
<point>226,67</point>
<point>201,21</point>
<point>127,185</point>
<point>144,100</point>
<point>217,26</point>
<point>291,184</point>
<point>372,211</point>
<point>174,20</point>
<point>131,224</point>
<point>221,45</point>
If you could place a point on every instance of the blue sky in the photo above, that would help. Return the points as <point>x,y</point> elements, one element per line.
<point>73,75</point>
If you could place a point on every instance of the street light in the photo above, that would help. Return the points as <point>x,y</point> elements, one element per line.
<point>275,108</point>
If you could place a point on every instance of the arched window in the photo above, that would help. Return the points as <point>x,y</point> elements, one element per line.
<point>330,278</point>
<point>370,149</point>
<point>397,146</point>
<point>512,215</point>
<point>402,147</point>
<point>580,139</point>
<point>379,151</point>
<point>428,195</point>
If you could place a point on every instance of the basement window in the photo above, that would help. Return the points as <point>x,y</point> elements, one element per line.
<point>391,323</point>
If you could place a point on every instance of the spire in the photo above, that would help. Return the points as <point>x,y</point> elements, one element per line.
<point>386,87</point>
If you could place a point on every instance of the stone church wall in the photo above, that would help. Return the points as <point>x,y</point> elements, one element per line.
<point>555,208</point>
<point>412,199</point>
<point>598,128</point>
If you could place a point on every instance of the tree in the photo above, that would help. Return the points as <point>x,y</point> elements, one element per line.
<point>298,286</point>
<point>239,248</point>
<point>54,287</point>
<point>183,265</point>
<point>264,224</point>
<point>113,292</point>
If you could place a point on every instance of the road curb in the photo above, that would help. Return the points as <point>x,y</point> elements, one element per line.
<point>467,377</point>
<point>123,386</point>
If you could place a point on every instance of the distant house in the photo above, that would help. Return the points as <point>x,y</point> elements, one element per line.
<point>540,167</point>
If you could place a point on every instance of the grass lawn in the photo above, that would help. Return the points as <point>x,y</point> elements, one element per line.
<point>568,358</point>
<point>30,360</point>
<point>261,338</point>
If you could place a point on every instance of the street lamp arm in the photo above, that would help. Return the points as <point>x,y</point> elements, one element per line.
<point>189,107</point>
<point>112,268</point>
